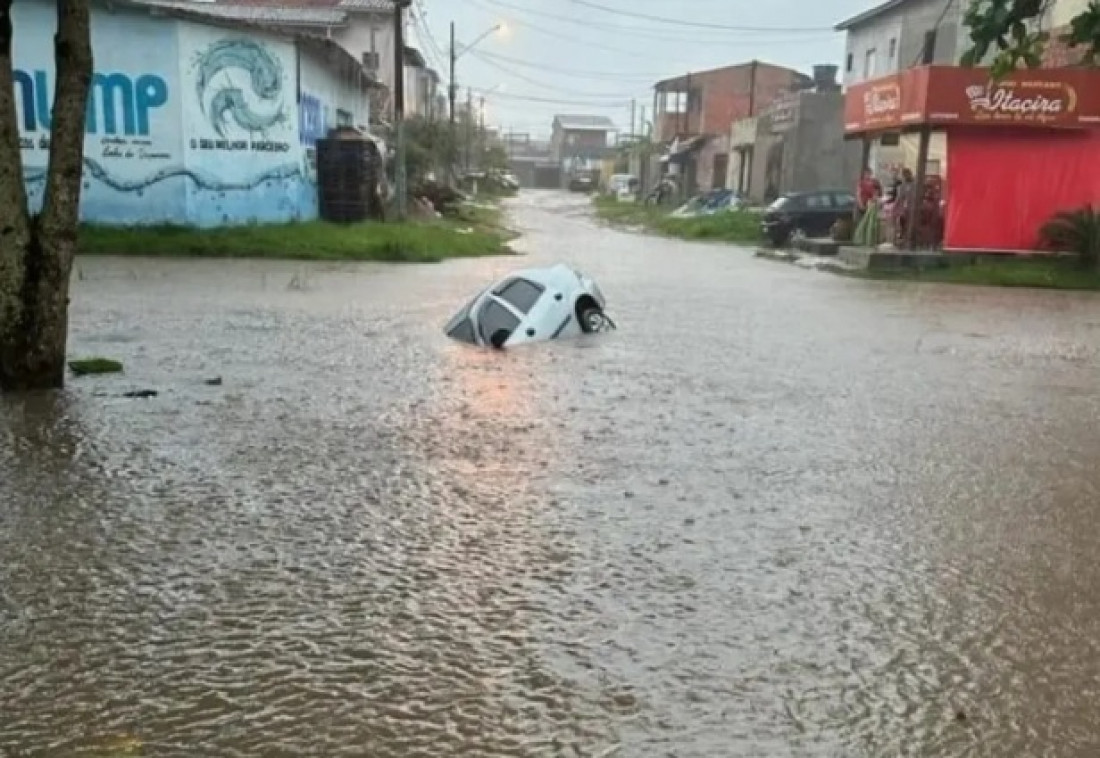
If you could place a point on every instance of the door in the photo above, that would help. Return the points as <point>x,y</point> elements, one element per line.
<point>721,168</point>
<point>818,214</point>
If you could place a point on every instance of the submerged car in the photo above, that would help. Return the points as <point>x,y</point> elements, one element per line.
<point>532,306</point>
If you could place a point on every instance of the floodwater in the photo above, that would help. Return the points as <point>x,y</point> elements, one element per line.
<point>778,513</point>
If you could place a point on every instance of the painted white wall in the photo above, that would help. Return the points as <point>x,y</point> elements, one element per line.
<point>341,99</point>
<point>133,145</point>
<point>870,46</point>
<point>370,32</point>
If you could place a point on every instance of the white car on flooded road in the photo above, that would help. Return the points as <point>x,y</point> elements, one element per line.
<point>532,306</point>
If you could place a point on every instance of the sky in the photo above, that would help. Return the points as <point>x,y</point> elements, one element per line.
<point>567,56</point>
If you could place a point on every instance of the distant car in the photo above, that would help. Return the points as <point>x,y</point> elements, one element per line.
<point>532,306</point>
<point>581,183</point>
<point>809,214</point>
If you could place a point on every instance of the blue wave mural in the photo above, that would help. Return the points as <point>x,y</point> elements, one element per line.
<point>228,104</point>
<point>202,180</point>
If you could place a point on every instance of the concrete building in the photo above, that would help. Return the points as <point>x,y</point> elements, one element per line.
<point>580,142</point>
<point>796,144</point>
<point>192,118</point>
<point>694,114</point>
<point>893,36</point>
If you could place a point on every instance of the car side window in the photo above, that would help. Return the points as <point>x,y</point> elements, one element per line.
<point>844,200</point>
<point>818,202</point>
<point>522,294</point>
<point>495,317</point>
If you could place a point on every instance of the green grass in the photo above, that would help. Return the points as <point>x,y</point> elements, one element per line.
<point>415,242</point>
<point>741,227</point>
<point>94,366</point>
<point>1046,274</point>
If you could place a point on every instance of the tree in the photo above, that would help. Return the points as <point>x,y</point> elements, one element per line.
<point>1011,31</point>
<point>36,251</point>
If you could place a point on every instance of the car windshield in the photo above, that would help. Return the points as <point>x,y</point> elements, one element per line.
<point>780,204</point>
<point>459,327</point>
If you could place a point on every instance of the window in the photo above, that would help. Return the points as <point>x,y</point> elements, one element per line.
<point>343,118</point>
<point>893,54</point>
<point>869,63</point>
<point>844,200</point>
<point>521,293</point>
<point>818,201</point>
<point>780,204</point>
<point>463,331</point>
<point>851,63</point>
<point>890,139</point>
<point>494,318</point>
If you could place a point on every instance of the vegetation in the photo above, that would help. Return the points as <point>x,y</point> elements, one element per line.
<point>732,226</point>
<point>36,252</point>
<point>473,233</point>
<point>1076,232</point>
<point>1049,273</point>
<point>1010,29</point>
<point>92,366</point>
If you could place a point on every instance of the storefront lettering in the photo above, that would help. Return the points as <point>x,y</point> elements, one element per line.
<point>116,102</point>
<point>879,101</point>
<point>1006,101</point>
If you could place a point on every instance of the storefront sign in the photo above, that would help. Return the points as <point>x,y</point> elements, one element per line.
<point>943,95</point>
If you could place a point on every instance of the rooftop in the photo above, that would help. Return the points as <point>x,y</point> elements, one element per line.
<point>591,123</point>
<point>683,79</point>
<point>303,15</point>
<point>870,14</point>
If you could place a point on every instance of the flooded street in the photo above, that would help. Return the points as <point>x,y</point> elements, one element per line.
<point>778,513</point>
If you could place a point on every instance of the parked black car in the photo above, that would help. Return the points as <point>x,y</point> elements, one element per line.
<point>810,213</point>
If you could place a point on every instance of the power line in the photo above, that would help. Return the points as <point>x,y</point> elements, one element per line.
<point>634,31</point>
<point>697,24</point>
<point>568,90</point>
<point>621,76</point>
<point>552,101</point>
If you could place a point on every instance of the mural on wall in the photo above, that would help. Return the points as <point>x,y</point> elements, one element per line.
<point>132,133</point>
<point>241,122</point>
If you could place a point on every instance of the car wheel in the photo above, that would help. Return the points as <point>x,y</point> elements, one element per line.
<point>593,321</point>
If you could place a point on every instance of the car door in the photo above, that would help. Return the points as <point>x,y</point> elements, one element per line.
<point>540,314</point>
<point>818,213</point>
<point>844,205</point>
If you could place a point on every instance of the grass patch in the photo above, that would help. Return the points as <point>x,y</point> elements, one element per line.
<point>473,233</point>
<point>741,227</point>
<point>95,366</point>
<point>1060,274</point>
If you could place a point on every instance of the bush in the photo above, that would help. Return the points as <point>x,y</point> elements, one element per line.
<point>1076,232</point>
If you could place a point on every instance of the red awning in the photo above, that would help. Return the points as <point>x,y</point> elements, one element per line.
<point>939,96</point>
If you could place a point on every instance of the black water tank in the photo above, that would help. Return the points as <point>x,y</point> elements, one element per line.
<point>347,178</point>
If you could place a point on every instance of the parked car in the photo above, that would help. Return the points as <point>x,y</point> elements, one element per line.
<point>532,306</point>
<point>809,214</point>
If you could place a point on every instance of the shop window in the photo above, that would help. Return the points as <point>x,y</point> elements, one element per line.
<point>890,139</point>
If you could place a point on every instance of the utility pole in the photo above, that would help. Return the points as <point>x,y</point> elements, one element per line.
<point>400,179</point>
<point>633,113</point>
<point>481,133</point>
<point>469,124</point>
<point>452,93</point>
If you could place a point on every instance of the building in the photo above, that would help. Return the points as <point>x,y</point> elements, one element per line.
<point>893,36</point>
<point>694,113</point>
<point>580,141</point>
<point>796,144</point>
<point>192,118</point>
<point>421,87</point>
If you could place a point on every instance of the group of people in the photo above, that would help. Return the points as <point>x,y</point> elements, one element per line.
<point>898,206</point>
<point>894,204</point>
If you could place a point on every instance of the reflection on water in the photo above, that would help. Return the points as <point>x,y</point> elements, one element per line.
<point>792,515</point>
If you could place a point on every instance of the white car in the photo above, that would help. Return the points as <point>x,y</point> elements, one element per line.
<point>532,306</point>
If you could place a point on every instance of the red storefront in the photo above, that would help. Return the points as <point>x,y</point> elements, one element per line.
<point>1019,149</point>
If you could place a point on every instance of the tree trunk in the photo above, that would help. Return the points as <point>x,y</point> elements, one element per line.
<point>36,254</point>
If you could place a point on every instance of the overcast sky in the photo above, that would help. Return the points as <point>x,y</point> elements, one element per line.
<point>589,60</point>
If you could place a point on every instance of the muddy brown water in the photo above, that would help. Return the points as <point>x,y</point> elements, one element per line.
<point>778,513</point>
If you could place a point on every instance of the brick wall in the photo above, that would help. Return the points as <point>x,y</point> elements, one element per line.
<point>725,97</point>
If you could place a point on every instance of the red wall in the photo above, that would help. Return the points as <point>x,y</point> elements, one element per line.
<point>1004,184</point>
